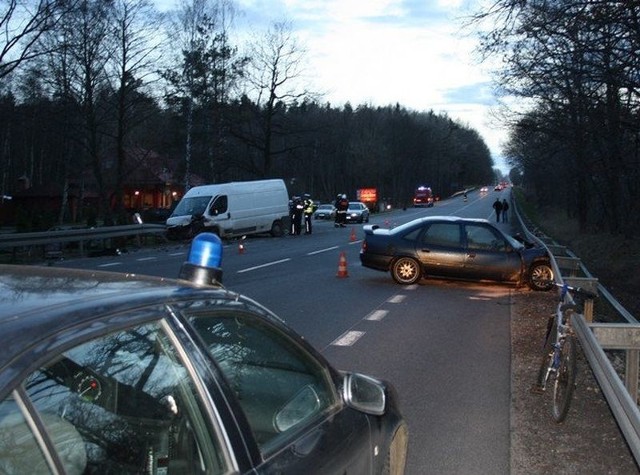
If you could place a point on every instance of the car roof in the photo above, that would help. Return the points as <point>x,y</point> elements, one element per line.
<point>38,302</point>
<point>449,219</point>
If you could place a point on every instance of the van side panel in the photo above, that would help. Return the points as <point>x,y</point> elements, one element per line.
<point>253,207</point>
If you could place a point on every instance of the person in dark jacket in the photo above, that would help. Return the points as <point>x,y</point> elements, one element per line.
<point>342,204</point>
<point>295,212</point>
<point>497,205</point>
<point>505,214</point>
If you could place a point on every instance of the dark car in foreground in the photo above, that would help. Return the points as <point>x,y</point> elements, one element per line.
<point>454,248</point>
<point>121,373</point>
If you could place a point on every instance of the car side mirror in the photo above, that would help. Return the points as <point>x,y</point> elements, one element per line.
<point>365,394</point>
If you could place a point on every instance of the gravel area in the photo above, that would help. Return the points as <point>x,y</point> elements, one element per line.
<point>589,440</point>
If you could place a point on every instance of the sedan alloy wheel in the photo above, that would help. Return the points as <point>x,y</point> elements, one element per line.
<point>406,270</point>
<point>541,276</point>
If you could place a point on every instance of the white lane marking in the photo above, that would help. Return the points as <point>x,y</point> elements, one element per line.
<point>412,287</point>
<point>322,250</point>
<point>174,254</point>
<point>348,338</point>
<point>397,299</point>
<point>146,259</point>
<point>264,265</point>
<point>377,315</point>
<point>355,242</point>
<point>111,264</point>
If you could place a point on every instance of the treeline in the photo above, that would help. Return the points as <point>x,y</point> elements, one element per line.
<point>86,81</point>
<point>576,64</point>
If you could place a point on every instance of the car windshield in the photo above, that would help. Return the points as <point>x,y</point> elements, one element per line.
<point>191,206</point>
<point>325,206</point>
<point>514,242</point>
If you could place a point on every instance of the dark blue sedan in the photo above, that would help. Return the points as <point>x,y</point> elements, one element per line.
<point>454,248</point>
<point>105,373</point>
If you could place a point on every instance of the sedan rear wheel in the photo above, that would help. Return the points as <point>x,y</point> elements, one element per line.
<point>406,271</point>
<point>541,276</point>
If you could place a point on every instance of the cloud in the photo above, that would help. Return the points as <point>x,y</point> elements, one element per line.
<point>383,52</point>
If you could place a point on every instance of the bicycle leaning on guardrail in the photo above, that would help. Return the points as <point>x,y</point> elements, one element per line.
<point>558,366</point>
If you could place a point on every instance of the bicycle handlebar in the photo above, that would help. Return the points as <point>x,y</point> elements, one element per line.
<point>576,290</point>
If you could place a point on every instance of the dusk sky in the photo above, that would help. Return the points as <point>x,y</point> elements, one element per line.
<point>382,52</point>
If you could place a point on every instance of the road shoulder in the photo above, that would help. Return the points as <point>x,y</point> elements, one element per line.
<point>589,440</point>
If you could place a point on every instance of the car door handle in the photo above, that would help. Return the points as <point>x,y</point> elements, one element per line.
<point>425,250</point>
<point>471,255</point>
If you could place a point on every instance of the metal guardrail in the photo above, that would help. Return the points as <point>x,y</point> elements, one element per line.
<point>81,236</point>
<point>595,338</point>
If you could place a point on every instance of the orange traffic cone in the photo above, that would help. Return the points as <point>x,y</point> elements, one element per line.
<point>342,266</point>
<point>353,235</point>
<point>240,248</point>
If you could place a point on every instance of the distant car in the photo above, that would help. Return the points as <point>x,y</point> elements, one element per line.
<point>498,188</point>
<point>126,374</point>
<point>326,211</point>
<point>484,189</point>
<point>454,248</point>
<point>357,212</point>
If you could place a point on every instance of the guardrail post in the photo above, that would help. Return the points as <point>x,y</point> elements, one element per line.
<point>587,283</point>
<point>631,373</point>
<point>571,264</point>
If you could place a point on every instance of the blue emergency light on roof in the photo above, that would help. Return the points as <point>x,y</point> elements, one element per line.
<point>203,265</point>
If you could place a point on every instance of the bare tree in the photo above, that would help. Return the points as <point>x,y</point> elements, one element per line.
<point>207,69</point>
<point>276,75</point>
<point>134,55</point>
<point>23,24</point>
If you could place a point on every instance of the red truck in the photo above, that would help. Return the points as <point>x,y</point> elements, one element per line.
<point>423,196</point>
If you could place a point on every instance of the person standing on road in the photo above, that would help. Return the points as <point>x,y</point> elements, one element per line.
<point>296,216</point>
<point>505,215</point>
<point>308,208</point>
<point>497,205</point>
<point>342,204</point>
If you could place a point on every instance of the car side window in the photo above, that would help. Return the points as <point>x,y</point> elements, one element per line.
<point>484,238</point>
<point>219,205</point>
<point>279,385</point>
<point>442,234</point>
<point>19,449</point>
<point>125,404</point>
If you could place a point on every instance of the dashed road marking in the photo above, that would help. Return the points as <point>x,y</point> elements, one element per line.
<point>348,338</point>
<point>146,259</point>
<point>377,315</point>
<point>397,298</point>
<point>264,265</point>
<point>111,264</point>
<point>322,250</point>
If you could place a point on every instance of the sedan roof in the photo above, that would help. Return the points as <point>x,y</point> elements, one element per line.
<point>47,300</point>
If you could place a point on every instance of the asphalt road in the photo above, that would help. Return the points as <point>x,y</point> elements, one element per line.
<point>444,346</point>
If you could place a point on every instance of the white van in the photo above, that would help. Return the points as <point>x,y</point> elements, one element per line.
<point>232,209</point>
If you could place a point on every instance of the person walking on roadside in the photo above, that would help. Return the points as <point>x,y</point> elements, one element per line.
<point>505,215</point>
<point>497,205</point>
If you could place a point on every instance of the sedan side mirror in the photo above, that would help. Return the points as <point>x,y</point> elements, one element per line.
<point>365,394</point>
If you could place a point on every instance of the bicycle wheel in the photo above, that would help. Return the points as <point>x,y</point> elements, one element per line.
<point>565,379</point>
<point>547,357</point>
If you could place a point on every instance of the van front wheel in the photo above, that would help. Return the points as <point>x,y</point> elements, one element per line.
<point>276,229</point>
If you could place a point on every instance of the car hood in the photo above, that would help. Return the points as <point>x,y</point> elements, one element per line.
<point>533,253</point>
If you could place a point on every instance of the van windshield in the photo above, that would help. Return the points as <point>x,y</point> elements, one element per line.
<point>191,206</point>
